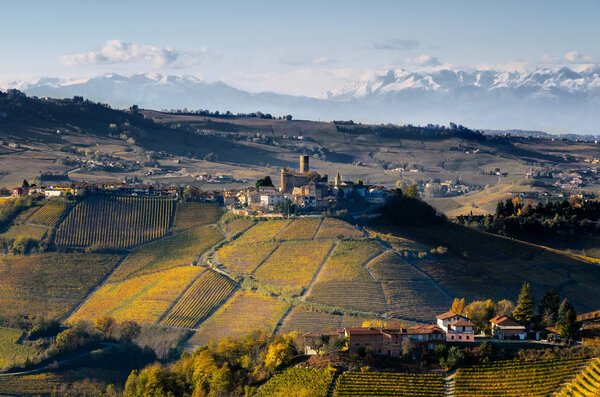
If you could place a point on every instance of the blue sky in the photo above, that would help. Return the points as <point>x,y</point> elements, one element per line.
<point>300,47</point>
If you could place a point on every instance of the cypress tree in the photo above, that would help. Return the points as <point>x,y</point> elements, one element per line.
<point>567,321</point>
<point>524,310</point>
<point>548,310</point>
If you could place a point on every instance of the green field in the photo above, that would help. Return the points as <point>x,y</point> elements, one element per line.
<point>115,221</point>
<point>176,250</point>
<point>49,284</point>
<point>12,352</point>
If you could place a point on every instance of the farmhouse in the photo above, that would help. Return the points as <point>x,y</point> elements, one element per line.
<point>505,327</point>
<point>458,328</point>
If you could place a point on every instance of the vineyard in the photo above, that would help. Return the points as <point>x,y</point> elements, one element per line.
<point>245,258</point>
<point>335,228</point>
<point>353,295</point>
<point>244,312</point>
<point>31,231</point>
<point>300,229</point>
<point>586,383</point>
<point>205,294</point>
<point>305,382</point>
<point>237,226</point>
<point>294,263</point>
<point>44,384</point>
<point>49,214</point>
<point>348,259</point>
<point>515,378</point>
<point>50,284</point>
<point>388,384</point>
<point>263,231</point>
<point>190,214</point>
<point>176,250</point>
<point>118,222</point>
<point>143,299</point>
<point>11,352</point>
<point>308,321</point>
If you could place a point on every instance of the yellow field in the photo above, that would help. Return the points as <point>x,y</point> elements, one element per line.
<point>143,299</point>
<point>294,263</point>
<point>172,251</point>
<point>237,226</point>
<point>335,228</point>
<point>348,259</point>
<point>306,321</point>
<point>300,229</point>
<point>263,231</point>
<point>245,258</point>
<point>10,351</point>
<point>244,312</point>
<point>49,284</point>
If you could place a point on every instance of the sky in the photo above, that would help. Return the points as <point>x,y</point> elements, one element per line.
<point>295,47</point>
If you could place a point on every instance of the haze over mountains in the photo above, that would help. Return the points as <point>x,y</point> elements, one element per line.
<point>562,100</point>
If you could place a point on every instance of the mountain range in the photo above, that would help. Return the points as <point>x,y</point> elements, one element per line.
<point>562,100</point>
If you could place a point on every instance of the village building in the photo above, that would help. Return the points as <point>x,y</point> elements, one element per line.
<point>505,327</point>
<point>457,327</point>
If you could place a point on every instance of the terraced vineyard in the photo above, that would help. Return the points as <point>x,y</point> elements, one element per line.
<point>388,384</point>
<point>586,383</point>
<point>201,298</point>
<point>49,284</point>
<point>408,293</point>
<point>348,260</point>
<point>11,352</point>
<point>306,382</point>
<point>335,228</point>
<point>192,214</point>
<point>144,298</point>
<point>115,221</point>
<point>49,214</point>
<point>294,263</point>
<point>242,313</point>
<point>515,378</point>
<point>303,320</point>
<point>176,250</point>
<point>263,231</point>
<point>300,229</point>
<point>245,258</point>
<point>353,295</point>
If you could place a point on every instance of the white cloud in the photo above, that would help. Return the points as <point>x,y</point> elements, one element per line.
<point>394,45</point>
<point>116,51</point>
<point>322,60</point>
<point>505,67</point>
<point>570,57</point>
<point>424,60</point>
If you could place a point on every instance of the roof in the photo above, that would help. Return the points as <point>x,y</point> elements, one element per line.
<point>462,323</point>
<point>506,321</point>
<point>363,331</point>
<point>589,316</point>
<point>448,315</point>
<point>425,329</point>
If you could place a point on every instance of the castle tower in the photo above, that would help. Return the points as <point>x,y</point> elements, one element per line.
<point>303,164</point>
<point>338,179</point>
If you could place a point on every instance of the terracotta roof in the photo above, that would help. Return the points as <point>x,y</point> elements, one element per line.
<point>425,329</point>
<point>505,321</point>
<point>463,323</point>
<point>447,315</point>
<point>589,316</point>
<point>363,331</point>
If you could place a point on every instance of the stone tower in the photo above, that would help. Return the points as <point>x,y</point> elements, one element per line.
<point>303,164</point>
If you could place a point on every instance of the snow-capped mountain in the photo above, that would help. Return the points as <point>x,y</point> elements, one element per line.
<point>562,100</point>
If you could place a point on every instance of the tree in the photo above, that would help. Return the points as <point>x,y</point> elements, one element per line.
<point>105,325</point>
<point>567,321</point>
<point>486,352</point>
<point>481,313</point>
<point>524,310</point>
<point>211,157</point>
<point>266,181</point>
<point>411,191</point>
<point>458,306</point>
<point>129,331</point>
<point>505,307</point>
<point>25,183</point>
<point>548,310</point>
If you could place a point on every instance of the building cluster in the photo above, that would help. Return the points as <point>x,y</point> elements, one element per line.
<point>449,328</point>
<point>80,188</point>
<point>306,189</point>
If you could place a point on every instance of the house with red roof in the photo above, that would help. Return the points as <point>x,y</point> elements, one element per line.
<point>505,327</point>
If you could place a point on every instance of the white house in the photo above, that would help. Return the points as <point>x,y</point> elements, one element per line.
<point>268,199</point>
<point>458,327</point>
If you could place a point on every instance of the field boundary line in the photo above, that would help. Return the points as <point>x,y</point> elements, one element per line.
<point>236,288</point>
<point>264,260</point>
<point>282,320</point>
<point>96,288</point>
<point>282,229</point>
<point>309,288</point>
<point>314,236</point>
<point>170,308</point>
<point>368,261</point>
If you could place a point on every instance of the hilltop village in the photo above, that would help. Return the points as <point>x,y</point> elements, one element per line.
<point>303,191</point>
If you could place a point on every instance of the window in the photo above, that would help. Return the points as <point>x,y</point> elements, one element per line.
<point>459,336</point>
<point>452,337</point>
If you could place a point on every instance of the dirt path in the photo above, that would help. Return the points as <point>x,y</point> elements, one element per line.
<point>314,236</point>
<point>449,382</point>
<point>282,229</point>
<point>318,272</point>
